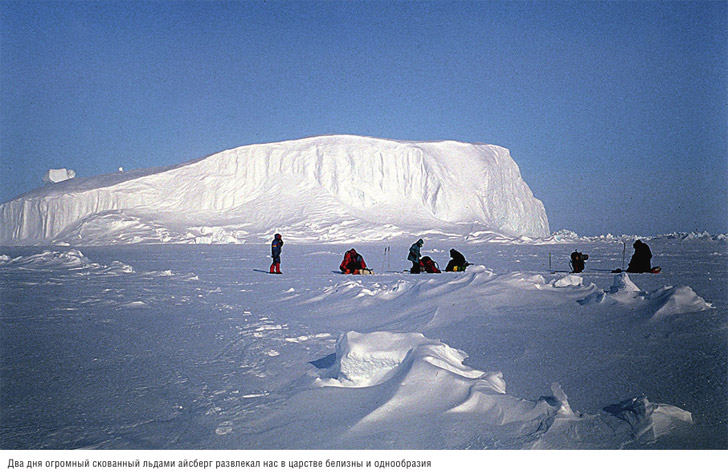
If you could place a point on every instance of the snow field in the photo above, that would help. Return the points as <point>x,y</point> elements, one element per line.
<point>190,347</point>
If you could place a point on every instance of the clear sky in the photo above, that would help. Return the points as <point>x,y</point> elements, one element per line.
<point>616,112</point>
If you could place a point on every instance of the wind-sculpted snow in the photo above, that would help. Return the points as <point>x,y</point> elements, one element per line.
<point>322,188</point>
<point>363,360</point>
<point>423,378</point>
<point>71,260</point>
<point>663,302</point>
<point>231,357</point>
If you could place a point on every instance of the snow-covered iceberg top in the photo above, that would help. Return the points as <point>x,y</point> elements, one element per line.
<point>319,188</point>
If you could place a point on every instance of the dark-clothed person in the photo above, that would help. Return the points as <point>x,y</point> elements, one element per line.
<point>457,262</point>
<point>641,261</point>
<point>275,253</point>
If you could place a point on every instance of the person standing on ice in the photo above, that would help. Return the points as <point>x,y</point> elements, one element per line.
<point>275,252</point>
<point>641,261</point>
<point>414,256</point>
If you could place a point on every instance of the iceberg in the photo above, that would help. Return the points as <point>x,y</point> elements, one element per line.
<point>323,188</point>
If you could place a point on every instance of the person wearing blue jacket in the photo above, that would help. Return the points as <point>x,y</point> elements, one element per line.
<point>275,252</point>
<point>414,256</point>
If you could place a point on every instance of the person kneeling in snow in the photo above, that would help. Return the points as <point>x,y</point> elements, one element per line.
<point>457,262</point>
<point>641,260</point>
<point>429,265</point>
<point>352,263</point>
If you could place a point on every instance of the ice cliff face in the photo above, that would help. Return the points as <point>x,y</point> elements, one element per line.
<point>320,188</point>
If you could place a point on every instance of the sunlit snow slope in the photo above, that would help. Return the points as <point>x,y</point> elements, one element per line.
<point>322,188</point>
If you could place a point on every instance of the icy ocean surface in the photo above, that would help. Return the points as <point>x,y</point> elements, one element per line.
<point>196,347</point>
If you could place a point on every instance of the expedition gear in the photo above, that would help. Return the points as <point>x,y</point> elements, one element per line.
<point>429,265</point>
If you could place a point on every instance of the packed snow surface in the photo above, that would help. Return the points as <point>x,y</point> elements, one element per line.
<point>197,347</point>
<point>329,188</point>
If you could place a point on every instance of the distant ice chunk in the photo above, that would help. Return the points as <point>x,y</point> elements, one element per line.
<point>58,175</point>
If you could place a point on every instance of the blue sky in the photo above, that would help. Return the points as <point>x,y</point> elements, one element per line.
<point>616,112</point>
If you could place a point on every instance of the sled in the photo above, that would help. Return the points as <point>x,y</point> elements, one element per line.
<point>364,271</point>
<point>654,270</point>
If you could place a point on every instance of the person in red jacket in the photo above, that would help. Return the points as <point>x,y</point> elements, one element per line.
<point>352,263</point>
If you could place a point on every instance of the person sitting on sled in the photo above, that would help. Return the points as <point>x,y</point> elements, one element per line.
<point>275,252</point>
<point>457,262</point>
<point>353,263</point>
<point>641,260</point>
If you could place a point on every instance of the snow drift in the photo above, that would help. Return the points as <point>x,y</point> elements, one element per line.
<point>425,379</point>
<point>72,261</point>
<point>662,302</point>
<point>320,188</point>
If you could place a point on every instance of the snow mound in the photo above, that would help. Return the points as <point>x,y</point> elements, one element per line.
<point>635,421</point>
<point>568,280</point>
<point>623,284</point>
<point>425,378</point>
<point>71,260</point>
<point>320,188</point>
<point>663,302</point>
<point>363,360</point>
<point>676,300</point>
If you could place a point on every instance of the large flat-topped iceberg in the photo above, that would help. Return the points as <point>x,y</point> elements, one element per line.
<point>337,187</point>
